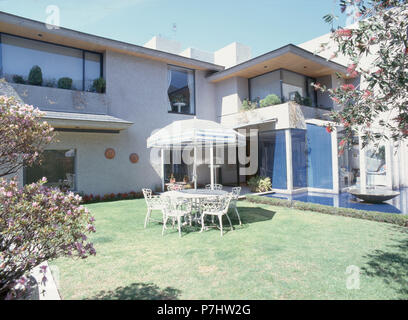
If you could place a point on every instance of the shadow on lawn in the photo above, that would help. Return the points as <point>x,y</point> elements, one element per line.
<point>139,291</point>
<point>391,266</point>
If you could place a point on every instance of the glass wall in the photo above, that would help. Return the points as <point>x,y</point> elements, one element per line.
<point>376,167</point>
<point>272,157</point>
<point>181,90</point>
<point>175,166</point>
<point>265,84</point>
<point>19,55</point>
<point>349,163</point>
<point>319,157</point>
<point>299,158</point>
<point>58,167</point>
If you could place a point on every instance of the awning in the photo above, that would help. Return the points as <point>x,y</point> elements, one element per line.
<point>255,123</point>
<point>70,120</point>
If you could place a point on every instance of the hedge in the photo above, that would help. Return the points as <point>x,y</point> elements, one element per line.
<point>398,219</point>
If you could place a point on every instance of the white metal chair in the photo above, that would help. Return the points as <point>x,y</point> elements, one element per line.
<point>216,186</point>
<point>175,208</point>
<point>234,199</point>
<point>152,203</point>
<point>175,187</point>
<point>216,206</point>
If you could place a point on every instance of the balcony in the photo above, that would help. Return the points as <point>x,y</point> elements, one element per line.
<point>62,100</point>
<point>281,116</point>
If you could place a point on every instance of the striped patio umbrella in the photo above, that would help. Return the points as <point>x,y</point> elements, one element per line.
<point>196,133</point>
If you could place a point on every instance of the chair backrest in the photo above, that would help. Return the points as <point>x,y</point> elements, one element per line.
<point>236,191</point>
<point>216,204</point>
<point>172,204</point>
<point>216,186</point>
<point>147,193</point>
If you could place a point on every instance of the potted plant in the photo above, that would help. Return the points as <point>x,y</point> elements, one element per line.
<point>172,178</point>
<point>186,179</point>
<point>260,184</point>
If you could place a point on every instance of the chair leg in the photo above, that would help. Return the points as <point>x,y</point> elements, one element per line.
<point>220,219</point>
<point>232,229</point>
<point>179,225</point>
<point>202,222</point>
<point>164,224</point>
<point>239,218</point>
<point>147,219</point>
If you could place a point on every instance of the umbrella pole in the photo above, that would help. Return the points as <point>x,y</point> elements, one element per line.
<point>212,167</point>
<point>195,168</point>
<point>162,168</point>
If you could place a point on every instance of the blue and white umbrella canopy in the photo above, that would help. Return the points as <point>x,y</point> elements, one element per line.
<point>198,134</point>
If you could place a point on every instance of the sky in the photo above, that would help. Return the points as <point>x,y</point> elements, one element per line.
<point>209,25</point>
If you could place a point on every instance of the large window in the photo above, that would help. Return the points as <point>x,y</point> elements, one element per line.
<point>181,90</point>
<point>58,166</point>
<point>19,55</point>
<point>285,84</point>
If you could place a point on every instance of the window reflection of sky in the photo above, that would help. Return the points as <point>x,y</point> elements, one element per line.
<point>345,200</point>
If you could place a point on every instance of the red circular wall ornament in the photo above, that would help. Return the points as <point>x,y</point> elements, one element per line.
<point>110,153</point>
<point>134,158</point>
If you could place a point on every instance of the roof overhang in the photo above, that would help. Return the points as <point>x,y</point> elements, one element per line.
<point>289,57</point>
<point>82,121</point>
<point>37,30</point>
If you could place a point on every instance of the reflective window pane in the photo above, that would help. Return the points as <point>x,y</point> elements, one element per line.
<point>92,69</point>
<point>181,90</point>
<point>58,166</point>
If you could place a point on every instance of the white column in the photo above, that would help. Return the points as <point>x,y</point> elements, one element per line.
<point>289,164</point>
<point>162,168</point>
<point>335,161</point>
<point>195,167</point>
<point>212,166</point>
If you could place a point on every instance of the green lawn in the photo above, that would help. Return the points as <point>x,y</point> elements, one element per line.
<point>278,253</point>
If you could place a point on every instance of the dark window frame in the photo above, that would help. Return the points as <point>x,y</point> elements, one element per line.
<point>101,55</point>
<point>169,66</point>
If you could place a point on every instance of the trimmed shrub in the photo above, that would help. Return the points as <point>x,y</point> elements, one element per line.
<point>398,219</point>
<point>111,197</point>
<point>270,100</point>
<point>99,85</point>
<point>65,83</point>
<point>35,76</point>
<point>307,101</point>
<point>18,79</point>
<point>248,105</point>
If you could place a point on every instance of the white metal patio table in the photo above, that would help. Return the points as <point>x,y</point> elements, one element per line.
<point>194,195</point>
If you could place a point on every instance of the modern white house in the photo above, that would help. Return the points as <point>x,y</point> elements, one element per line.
<point>102,135</point>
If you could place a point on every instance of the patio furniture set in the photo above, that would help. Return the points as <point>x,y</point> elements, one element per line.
<point>192,205</point>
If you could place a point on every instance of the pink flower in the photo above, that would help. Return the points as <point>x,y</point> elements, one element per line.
<point>348,87</point>
<point>344,33</point>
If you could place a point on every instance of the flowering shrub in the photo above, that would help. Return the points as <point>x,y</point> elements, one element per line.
<point>23,137</point>
<point>37,224</point>
<point>90,198</point>
<point>381,35</point>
